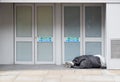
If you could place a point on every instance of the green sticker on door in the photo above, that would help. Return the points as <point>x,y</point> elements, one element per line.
<point>44,39</point>
<point>72,39</point>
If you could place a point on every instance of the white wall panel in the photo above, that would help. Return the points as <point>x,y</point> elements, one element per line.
<point>6,34</point>
<point>112,33</point>
<point>58,34</point>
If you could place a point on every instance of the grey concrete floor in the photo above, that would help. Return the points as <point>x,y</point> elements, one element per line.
<point>32,67</point>
<point>54,73</point>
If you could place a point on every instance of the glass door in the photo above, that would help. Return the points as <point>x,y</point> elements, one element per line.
<point>24,34</point>
<point>44,34</point>
<point>71,31</point>
<point>93,29</point>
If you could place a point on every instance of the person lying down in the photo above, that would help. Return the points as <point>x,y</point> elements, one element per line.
<point>87,61</point>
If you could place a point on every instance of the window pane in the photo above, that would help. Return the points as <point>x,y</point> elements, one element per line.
<point>71,50</point>
<point>45,21</point>
<point>45,52</point>
<point>45,30</point>
<point>93,48</point>
<point>72,21</point>
<point>24,21</point>
<point>93,21</point>
<point>71,31</point>
<point>23,51</point>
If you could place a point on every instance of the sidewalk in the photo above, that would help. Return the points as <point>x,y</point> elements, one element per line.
<point>58,75</point>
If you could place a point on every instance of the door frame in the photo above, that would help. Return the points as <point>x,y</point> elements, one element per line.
<point>83,39</point>
<point>33,39</point>
<point>25,39</point>
<point>36,62</point>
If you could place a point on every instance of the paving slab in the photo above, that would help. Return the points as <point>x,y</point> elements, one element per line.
<point>28,79</point>
<point>7,78</point>
<point>34,72</point>
<point>99,78</point>
<point>89,72</point>
<point>51,80</point>
<point>117,72</point>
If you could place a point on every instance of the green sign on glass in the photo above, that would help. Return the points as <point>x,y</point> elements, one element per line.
<point>72,39</point>
<point>44,39</point>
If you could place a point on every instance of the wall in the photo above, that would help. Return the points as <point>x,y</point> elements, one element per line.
<point>112,32</point>
<point>63,1</point>
<point>58,34</point>
<point>6,34</point>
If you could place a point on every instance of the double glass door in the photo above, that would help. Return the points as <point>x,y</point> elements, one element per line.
<point>34,34</point>
<point>82,32</point>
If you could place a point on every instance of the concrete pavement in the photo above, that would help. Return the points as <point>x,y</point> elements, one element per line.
<point>60,75</point>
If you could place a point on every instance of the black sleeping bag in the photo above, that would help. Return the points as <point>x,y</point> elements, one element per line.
<point>86,61</point>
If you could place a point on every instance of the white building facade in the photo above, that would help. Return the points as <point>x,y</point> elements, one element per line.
<point>56,31</point>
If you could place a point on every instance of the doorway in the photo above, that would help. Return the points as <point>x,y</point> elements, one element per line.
<point>34,34</point>
<point>82,30</point>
